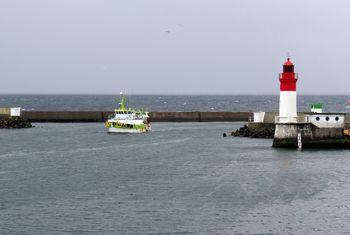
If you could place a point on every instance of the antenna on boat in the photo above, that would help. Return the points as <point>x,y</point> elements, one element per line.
<point>122,102</point>
<point>129,101</point>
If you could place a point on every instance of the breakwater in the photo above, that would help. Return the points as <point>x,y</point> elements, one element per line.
<point>254,130</point>
<point>14,123</point>
<point>101,116</point>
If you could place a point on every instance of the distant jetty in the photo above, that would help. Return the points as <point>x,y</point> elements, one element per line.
<point>101,116</point>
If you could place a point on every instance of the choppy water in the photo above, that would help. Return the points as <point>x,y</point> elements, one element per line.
<point>182,178</point>
<point>170,103</point>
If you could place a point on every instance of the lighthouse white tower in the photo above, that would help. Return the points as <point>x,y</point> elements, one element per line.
<point>288,93</point>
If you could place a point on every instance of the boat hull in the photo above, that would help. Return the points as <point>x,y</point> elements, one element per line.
<point>126,131</point>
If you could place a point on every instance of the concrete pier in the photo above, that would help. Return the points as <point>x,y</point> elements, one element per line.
<point>286,136</point>
<point>101,116</point>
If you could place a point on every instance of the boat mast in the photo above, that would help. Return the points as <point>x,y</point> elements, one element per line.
<point>123,101</point>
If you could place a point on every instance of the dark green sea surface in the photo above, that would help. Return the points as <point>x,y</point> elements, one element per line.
<point>182,178</point>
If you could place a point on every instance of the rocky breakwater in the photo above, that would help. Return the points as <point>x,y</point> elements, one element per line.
<point>14,123</point>
<point>254,131</point>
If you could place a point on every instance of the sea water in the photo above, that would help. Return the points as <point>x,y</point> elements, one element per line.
<point>234,103</point>
<point>181,178</point>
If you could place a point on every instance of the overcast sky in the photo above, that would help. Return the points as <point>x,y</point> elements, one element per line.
<point>172,46</point>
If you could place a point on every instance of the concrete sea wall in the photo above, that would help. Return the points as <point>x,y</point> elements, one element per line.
<point>65,116</point>
<point>5,111</point>
<point>100,116</point>
<point>286,136</point>
<point>199,116</point>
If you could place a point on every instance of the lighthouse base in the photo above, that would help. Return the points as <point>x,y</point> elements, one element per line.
<point>286,136</point>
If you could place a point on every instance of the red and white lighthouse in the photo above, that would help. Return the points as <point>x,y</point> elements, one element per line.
<point>288,93</point>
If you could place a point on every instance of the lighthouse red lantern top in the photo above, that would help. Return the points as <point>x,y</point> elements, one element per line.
<point>288,78</point>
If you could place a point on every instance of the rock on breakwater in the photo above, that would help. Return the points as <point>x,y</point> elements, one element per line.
<point>252,131</point>
<point>14,123</point>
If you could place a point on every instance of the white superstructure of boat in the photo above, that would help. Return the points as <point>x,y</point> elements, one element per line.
<point>126,120</point>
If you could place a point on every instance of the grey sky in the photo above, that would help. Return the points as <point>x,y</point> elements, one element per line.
<point>172,46</point>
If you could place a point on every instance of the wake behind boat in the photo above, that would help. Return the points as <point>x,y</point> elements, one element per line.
<point>126,120</point>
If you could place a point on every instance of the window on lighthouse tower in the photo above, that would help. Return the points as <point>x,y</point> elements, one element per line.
<point>288,68</point>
